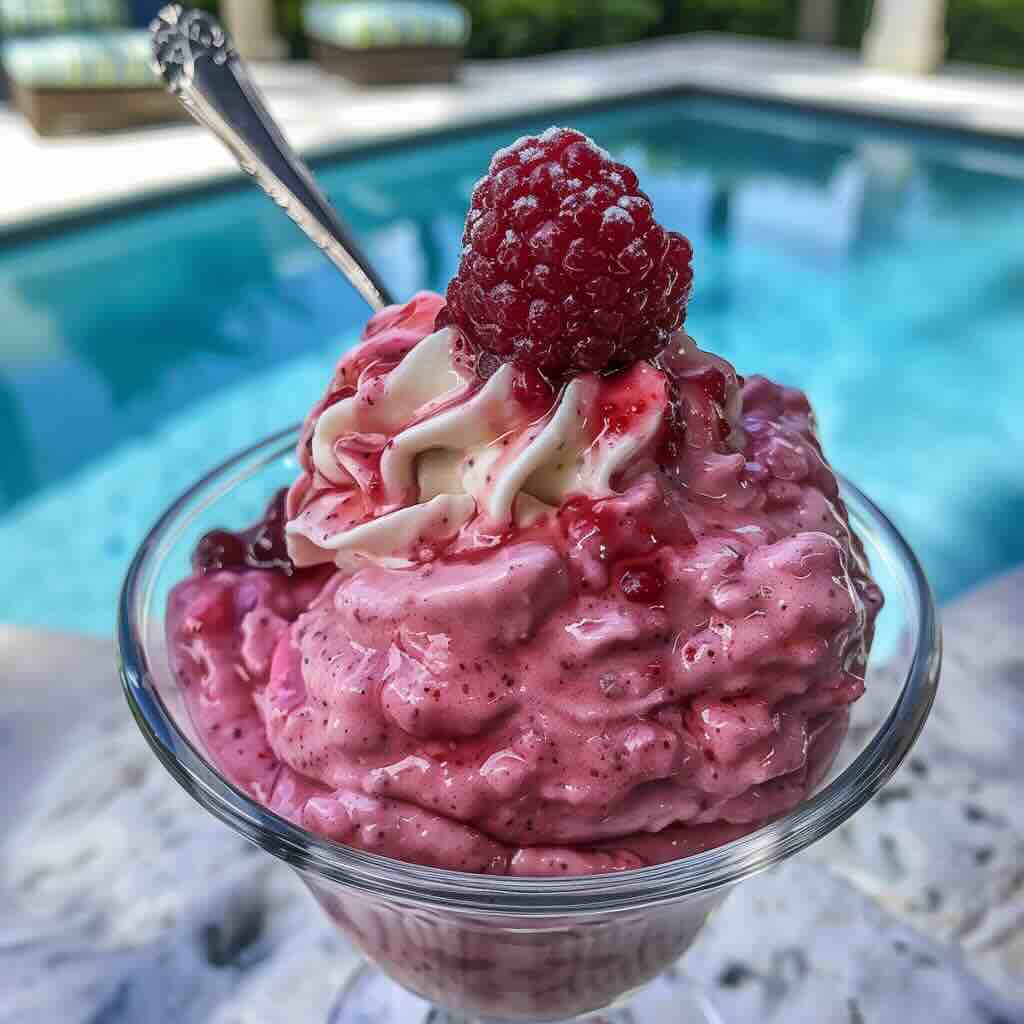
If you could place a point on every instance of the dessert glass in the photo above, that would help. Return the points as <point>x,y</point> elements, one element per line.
<point>480,948</point>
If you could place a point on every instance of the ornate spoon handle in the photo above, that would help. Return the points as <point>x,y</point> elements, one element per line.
<point>194,56</point>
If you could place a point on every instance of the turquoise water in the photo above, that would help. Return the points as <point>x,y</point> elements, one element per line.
<point>880,269</point>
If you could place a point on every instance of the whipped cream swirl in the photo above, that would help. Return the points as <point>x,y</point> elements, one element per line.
<point>422,451</point>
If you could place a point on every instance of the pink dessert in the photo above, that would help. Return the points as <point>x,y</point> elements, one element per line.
<point>556,591</point>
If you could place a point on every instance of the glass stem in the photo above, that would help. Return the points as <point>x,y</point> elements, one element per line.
<point>370,997</point>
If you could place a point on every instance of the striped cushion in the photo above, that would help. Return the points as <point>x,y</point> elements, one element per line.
<point>47,15</point>
<point>76,60</point>
<point>363,26</point>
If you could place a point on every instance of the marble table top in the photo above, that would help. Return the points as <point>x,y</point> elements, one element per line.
<point>125,903</point>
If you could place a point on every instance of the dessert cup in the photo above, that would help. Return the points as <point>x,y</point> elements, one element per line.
<point>468,948</point>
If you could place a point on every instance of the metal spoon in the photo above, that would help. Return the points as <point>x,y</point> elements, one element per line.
<point>194,56</point>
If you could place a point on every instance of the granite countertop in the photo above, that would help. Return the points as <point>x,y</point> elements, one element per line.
<point>125,903</point>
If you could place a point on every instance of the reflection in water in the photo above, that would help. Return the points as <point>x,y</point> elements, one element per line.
<point>898,193</point>
<point>398,250</point>
<point>866,265</point>
<point>808,220</point>
<point>683,198</point>
<point>874,196</point>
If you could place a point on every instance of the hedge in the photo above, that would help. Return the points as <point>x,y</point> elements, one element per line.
<point>980,31</point>
<point>987,31</point>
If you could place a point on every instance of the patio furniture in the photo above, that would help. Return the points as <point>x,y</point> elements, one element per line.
<point>18,17</point>
<point>72,68</point>
<point>388,42</point>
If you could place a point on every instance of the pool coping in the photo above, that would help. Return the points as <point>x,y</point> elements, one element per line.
<point>329,120</point>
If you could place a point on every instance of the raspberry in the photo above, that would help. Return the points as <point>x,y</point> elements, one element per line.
<point>219,549</point>
<point>563,268</point>
<point>262,546</point>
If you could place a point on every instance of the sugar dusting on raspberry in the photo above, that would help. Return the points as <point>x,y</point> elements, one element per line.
<point>564,269</point>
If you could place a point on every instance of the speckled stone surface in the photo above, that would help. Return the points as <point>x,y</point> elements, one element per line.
<point>126,904</point>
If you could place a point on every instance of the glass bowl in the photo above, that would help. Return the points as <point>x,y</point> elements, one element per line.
<point>466,947</point>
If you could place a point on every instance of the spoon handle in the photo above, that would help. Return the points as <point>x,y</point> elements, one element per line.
<point>194,56</point>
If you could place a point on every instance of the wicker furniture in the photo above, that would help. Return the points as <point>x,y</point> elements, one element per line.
<point>71,68</point>
<point>387,42</point>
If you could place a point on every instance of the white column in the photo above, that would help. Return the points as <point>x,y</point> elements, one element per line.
<point>250,23</point>
<point>818,20</point>
<point>906,35</point>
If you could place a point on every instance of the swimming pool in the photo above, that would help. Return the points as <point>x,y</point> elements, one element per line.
<point>878,268</point>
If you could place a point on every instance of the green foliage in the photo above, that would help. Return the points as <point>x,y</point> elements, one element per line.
<point>289,17</point>
<point>853,19</point>
<point>775,18</point>
<point>507,28</point>
<point>513,28</point>
<point>981,31</point>
<point>986,31</point>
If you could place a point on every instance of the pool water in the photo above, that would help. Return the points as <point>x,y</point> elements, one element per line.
<point>880,269</point>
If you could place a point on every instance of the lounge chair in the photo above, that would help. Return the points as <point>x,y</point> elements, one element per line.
<point>72,67</point>
<point>387,42</point>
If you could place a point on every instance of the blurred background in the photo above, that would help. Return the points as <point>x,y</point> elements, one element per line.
<point>979,31</point>
<point>850,174</point>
